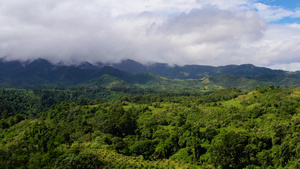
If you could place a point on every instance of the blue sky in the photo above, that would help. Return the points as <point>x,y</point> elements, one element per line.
<point>287,5</point>
<point>207,32</point>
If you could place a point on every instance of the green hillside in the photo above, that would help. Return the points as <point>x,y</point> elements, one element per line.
<point>228,128</point>
<point>150,83</point>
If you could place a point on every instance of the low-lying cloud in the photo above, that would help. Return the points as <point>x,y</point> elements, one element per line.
<point>179,32</point>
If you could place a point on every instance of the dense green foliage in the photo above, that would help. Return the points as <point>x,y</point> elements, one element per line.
<point>229,128</point>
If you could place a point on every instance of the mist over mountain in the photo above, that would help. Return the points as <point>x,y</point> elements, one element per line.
<point>41,72</point>
<point>193,71</point>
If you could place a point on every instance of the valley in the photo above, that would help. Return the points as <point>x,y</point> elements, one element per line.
<point>72,117</point>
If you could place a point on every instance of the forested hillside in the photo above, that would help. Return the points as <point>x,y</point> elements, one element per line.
<point>73,128</point>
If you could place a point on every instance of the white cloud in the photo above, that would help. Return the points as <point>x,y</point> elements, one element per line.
<point>273,13</point>
<point>214,32</point>
<point>290,67</point>
<point>280,45</point>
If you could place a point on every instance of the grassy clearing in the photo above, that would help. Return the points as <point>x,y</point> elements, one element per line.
<point>233,102</point>
<point>296,92</point>
<point>122,161</point>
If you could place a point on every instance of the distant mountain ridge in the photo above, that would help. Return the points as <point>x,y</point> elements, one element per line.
<point>41,72</point>
<point>193,71</point>
<point>132,74</point>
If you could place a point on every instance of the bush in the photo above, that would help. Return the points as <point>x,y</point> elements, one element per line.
<point>78,161</point>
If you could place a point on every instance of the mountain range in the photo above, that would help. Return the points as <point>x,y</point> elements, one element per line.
<point>131,74</point>
<point>192,71</point>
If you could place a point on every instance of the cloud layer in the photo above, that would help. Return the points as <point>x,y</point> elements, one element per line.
<point>210,32</point>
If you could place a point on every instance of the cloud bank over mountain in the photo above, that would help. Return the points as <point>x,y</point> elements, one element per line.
<point>207,32</point>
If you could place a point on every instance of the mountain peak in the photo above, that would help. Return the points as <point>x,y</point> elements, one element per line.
<point>87,65</point>
<point>131,66</point>
<point>40,62</point>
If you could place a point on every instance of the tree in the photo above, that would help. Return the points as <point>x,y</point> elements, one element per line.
<point>229,152</point>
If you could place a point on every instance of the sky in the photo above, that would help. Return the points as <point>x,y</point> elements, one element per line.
<point>204,32</point>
